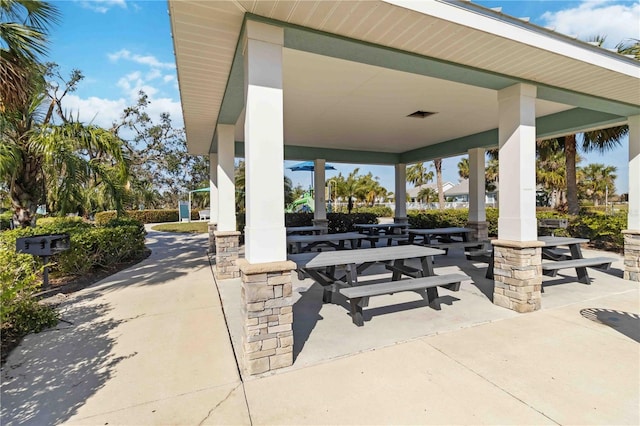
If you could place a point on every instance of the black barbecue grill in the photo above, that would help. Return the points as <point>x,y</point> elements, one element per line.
<point>44,246</point>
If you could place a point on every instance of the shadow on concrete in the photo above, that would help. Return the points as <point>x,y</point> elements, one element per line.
<point>306,312</point>
<point>626,323</point>
<point>73,359</point>
<point>172,256</point>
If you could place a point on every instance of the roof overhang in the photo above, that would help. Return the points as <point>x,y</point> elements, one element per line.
<point>363,66</point>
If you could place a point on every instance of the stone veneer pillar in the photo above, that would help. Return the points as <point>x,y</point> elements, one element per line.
<point>631,255</point>
<point>213,227</point>
<point>227,249</point>
<point>518,275</point>
<point>267,315</point>
<point>480,230</point>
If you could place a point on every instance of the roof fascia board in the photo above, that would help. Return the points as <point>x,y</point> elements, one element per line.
<point>340,47</point>
<point>303,153</point>
<point>485,20</point>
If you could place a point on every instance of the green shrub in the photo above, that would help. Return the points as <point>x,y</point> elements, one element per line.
<point>438,218</point>
<point>144,216</point>
<point>343,222</point>
<point>28,316</point>
<point>298,219</point>
<point>379,211</point>
<point>5,220</point>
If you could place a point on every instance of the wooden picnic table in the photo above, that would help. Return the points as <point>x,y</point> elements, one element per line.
<point>561,260</point>
<point>321,267</point>
<point>442,234</point>
<point>306,230</point>
<point>376,228</point>
<point>305,243</point>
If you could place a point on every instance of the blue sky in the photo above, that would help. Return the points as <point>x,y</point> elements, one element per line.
<point>125,46</point>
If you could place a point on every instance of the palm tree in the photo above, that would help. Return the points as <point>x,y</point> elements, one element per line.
<point>463,168</point>
<point>597,140</point>
<point>428,195</point>
<point>418,174</point>
<point>23,29</point>
<point>597,181</point>
<point>550,170</point>
<point>437,163</point>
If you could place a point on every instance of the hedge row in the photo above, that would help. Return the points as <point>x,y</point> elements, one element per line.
<point>604,231</point>
<point>145,216</point>
<point>338,222</point>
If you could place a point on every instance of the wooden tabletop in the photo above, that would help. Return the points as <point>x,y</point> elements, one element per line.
<point>440,231</point>
<point>380,254</point>
<point>561,241</point>
<point>310,228</point>
<point>325,237</point>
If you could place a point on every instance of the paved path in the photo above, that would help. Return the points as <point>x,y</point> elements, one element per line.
<point>150,346</point>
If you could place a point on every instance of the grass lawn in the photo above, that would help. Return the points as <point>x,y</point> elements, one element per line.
<point>188,227</point>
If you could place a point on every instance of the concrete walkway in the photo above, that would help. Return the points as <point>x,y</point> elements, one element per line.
<point>150,345</point>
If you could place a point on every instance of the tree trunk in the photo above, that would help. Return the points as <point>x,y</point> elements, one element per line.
<point>438,165</point>
<point>572,185</point>
<point>24,192</point>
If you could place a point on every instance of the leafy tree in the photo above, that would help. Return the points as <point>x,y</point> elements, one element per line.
<point>159,161</point>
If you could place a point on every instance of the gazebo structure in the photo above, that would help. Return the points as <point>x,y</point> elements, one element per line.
<point>384,82</point>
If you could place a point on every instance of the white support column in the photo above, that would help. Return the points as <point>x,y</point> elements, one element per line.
<point>226,178</point>
<point>517,264</point>
<point>401,193</point>
<point>476,185</point>
<point>632,233</point>
<point>477,213</point>
<point>265,237</point>
<point>213,200</point>
<point>213,188</point>
<point>320,207</point>
<point>634,173</point>
<point>517,181</point>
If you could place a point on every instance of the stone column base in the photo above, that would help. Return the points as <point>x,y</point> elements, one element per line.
<point>480,230</point>
<point>227,249</point>
<point>631,254</point>
<point>322,222</point>
<point>518,275</point>
<point>267,311</point>
<point>212,237</point>
<point>402,220</point>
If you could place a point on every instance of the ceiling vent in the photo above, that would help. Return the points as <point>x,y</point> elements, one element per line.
<point>420,114</point>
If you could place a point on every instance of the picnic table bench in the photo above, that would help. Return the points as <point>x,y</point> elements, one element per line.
<point>560,259</point>
<point>427,287</point>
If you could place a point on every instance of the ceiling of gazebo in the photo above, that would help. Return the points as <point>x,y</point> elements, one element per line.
<point>340,94</point>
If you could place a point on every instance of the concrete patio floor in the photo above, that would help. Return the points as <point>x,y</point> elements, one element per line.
<point>153,345</point>
<point>323,332</point>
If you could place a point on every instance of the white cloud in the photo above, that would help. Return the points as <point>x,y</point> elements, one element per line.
<point>153,74</point>
<point>168,78</point>
<point>149,60</point>
<point>618,22</point>
<point>102,6</point>
<point>98,111</point>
